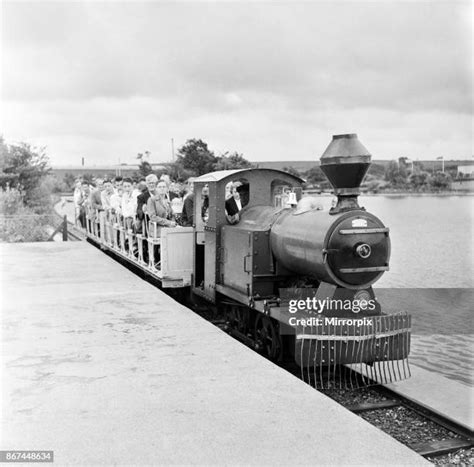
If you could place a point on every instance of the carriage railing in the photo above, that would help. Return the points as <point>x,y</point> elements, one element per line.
<point>138,240</point>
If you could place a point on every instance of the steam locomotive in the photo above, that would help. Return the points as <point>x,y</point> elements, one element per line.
<point>284,249</point>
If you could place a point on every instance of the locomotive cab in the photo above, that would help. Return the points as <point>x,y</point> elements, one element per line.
<point>263,186</point>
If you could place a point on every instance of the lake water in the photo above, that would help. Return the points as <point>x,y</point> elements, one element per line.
<point>432,239</point>
<point>431,276</point>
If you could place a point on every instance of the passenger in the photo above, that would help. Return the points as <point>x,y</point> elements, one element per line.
<point>170,195</point>
<point>234,204</point>
<point>187,214</point>
<point>78,197</point>
<point>159,208</point>
<point>97,210</point>
<point>160,212</point>
<point>177,208</point>
<point>84,205</point>
<point>116,200</point>
<point>138,187</point>
<point>175,191</point>
<point>142,199</point>
<point>106,196</point>
<point>96,196</point>
<point>128,204</point>
<point>118,183</point>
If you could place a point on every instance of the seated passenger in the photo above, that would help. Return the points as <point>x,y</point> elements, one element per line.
<point>159,208</point>
<point>142,199</point>
<point>128,203</point>
<point>170,195</point>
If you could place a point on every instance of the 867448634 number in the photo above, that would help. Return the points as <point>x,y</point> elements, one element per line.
<point>26,456</point>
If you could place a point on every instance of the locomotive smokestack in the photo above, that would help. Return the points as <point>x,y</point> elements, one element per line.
<point>345,163</point>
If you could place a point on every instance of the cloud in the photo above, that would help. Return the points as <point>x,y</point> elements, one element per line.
<point>153,70</point>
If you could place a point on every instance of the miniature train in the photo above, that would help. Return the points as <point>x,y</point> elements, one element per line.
<point>283,245</point>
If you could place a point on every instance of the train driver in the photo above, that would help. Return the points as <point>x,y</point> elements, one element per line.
<point>235,203</point>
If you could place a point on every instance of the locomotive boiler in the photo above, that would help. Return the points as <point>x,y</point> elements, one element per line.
<point>346,246</point>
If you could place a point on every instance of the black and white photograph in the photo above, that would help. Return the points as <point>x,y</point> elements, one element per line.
<point>236,232</point>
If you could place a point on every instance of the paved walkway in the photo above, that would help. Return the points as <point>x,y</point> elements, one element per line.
<point>103,368</point>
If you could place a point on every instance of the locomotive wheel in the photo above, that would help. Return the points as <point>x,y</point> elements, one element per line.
<point>267,337</point>
<point>237,318</point>
<point>242,319</point>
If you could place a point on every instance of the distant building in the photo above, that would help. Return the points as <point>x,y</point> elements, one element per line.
<point>465,178</point>
<point>466,171</point>
<point>101,170</point>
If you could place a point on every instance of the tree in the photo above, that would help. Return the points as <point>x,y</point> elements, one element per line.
<point>396,175</point>
<point>25,168</point>
<point>69,180</point>
<point>376,171</point>
<point>440,181</point>
<point>315,175</point>
<point>144,167</point>
<point>3,153</point>
<point>419,180</point>
<point>177,173</point>
<point>196,157</point>
<point>232,161</point>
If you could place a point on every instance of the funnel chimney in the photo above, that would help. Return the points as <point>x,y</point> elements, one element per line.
<point>345,163</point>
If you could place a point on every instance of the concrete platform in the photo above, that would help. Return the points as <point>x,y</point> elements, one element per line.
<point>104,369</point>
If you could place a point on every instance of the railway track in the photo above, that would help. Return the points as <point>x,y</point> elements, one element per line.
<point>446,436</point>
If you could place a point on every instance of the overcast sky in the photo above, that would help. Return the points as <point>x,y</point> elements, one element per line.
<point>271,80</point>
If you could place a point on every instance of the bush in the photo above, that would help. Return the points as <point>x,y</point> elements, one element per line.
<point>19,223</point>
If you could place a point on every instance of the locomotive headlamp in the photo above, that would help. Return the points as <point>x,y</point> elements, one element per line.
<point>363,250</point>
